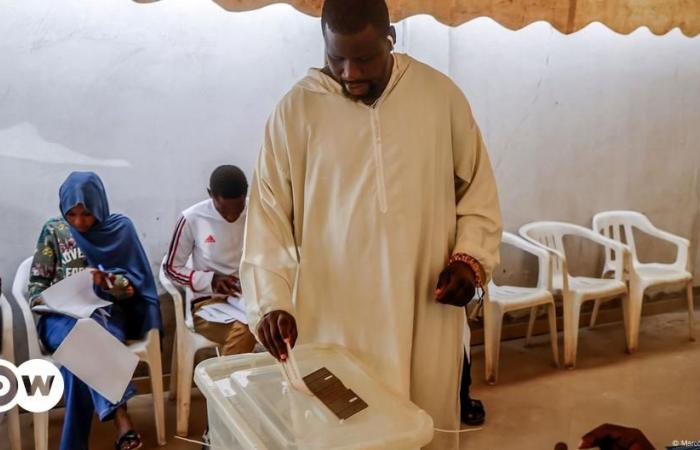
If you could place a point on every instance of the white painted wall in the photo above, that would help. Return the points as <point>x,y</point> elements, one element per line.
<point>154,96</point>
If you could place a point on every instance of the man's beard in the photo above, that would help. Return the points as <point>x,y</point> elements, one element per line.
<point>372,93</point>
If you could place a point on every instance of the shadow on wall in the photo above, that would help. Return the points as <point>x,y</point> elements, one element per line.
<point>23,141</point>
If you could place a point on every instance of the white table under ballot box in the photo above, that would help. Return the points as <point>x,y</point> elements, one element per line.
<point>250,406</point>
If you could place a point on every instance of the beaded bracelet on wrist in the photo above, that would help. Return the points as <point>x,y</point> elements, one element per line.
<point>476,269</point>
<point>473,265</point>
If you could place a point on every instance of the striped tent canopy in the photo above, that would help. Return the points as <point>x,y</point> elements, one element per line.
<point>567,16</point>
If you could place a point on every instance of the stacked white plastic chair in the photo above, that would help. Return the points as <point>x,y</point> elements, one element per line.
<point>147,349</point>
<point>577,290</point>
<point>19,292</point>
<point>7,352</point>
<point>502,299</point>
<point>187,344</point>
<point>619,225</point>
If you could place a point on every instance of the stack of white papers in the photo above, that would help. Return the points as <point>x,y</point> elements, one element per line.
<point>224,312</point>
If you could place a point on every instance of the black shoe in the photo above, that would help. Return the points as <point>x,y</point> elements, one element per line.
<point>473,413</point>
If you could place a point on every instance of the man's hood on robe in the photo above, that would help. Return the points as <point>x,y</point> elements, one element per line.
<point>317,81</point>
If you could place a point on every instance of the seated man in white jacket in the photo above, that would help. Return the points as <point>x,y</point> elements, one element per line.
<point>204,255</point>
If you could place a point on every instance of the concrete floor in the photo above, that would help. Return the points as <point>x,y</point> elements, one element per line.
<point>535,405</point>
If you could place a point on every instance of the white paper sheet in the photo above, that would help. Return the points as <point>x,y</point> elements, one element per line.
<point>232,309</point>
<point>97,358</point>
<point>73,296</point>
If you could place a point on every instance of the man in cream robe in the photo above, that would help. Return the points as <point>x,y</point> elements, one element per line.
<point>355,210</point>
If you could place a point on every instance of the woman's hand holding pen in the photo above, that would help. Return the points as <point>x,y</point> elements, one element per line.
<point>106,281</point>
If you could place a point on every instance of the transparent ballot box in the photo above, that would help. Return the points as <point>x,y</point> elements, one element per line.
<point>251,406</point>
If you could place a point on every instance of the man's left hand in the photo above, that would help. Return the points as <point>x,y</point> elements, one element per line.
<point>456,285</point>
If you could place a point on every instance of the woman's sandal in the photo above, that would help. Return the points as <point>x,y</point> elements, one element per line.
<point>473,413</point>
<point>130,440</point>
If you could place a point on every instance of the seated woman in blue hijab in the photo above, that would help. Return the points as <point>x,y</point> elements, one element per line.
<point>108,241</point>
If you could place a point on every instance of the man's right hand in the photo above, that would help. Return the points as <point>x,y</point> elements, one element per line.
<point>226,285</point>
<point>273,329</point>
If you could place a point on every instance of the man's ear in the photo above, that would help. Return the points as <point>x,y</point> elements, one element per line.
<point>392,35</point>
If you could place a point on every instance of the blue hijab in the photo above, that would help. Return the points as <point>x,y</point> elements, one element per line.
<point>113,242</point>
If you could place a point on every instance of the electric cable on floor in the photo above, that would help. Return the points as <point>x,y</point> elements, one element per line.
<point>202,443</point>
<point>465,430</point>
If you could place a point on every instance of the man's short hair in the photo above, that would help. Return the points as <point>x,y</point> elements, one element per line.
<point>228,182</point>
<point>352,16</point>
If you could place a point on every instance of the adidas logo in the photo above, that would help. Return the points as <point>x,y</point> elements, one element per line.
<point>210,240</point>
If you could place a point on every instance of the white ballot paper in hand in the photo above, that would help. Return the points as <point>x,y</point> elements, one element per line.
<point>73,296</point>
<point>99,359</point>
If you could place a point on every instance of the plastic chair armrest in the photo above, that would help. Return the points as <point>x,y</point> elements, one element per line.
<point>552,253</point>
<point>170,288</point>
<point>178,300</point>
<point>544,277</point>
<point>682,244</point>
<point>33,342</point>
<point>7,345</point>
<point>622,262</point>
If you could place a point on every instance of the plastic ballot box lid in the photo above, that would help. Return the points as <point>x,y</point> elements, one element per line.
<point>251,405</point>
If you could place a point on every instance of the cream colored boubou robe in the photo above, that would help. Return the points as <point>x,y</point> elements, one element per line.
<point>354,210</point>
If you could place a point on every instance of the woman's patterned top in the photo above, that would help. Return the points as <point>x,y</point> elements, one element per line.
<point>57,256</point>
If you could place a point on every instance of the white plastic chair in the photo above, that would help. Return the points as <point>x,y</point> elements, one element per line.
<point>19,292</point>
<point>187,343</point>
<point>502,299</point>
<point>577,290</point>
<point>147,349</point>
<point>619,225</point>
<point>7,352</point>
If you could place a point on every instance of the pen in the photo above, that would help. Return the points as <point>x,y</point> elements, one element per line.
<point>109,282</point>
